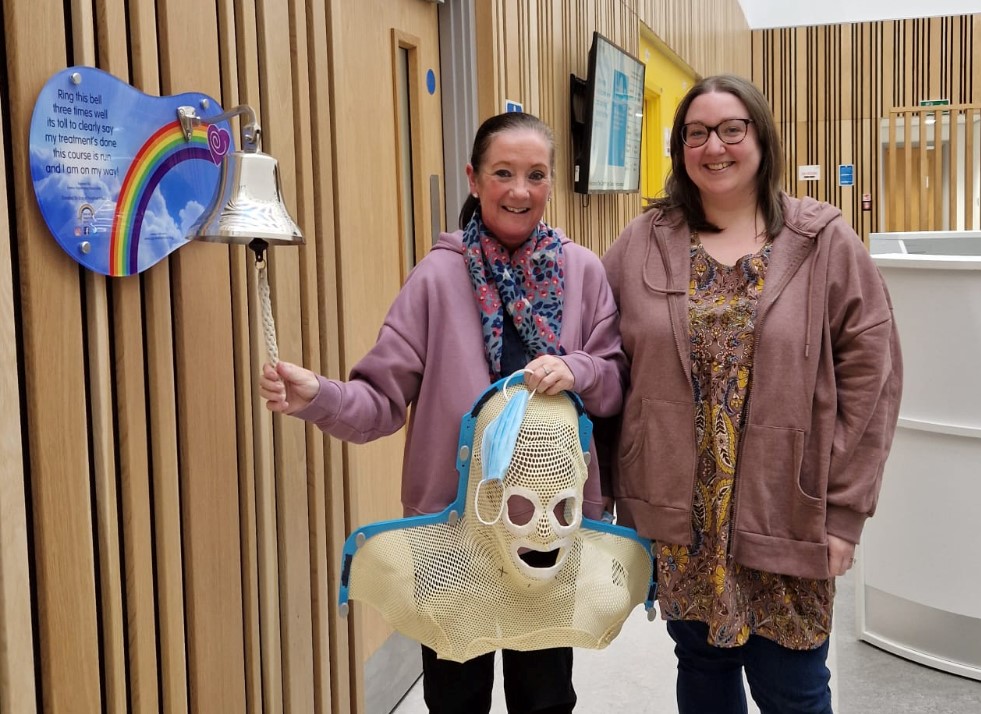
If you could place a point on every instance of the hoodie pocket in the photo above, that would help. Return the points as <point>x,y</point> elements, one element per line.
<point>771,500</point>
<point>657,461</point>
<point>633,434</point>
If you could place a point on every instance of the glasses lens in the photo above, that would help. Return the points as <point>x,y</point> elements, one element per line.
<point>694,135</point>
<point>732,131</point>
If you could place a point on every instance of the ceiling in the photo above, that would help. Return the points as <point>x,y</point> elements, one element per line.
<point>781,13</point>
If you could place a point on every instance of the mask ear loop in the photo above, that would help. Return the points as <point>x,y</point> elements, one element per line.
<point>498,481</point>
<point>512,376</point>
<point>476,503</point>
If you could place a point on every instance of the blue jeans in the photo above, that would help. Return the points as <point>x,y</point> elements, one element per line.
<point>781,680</point>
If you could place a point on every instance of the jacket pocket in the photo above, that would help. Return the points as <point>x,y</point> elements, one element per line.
<point>657,463</point>
<point>633,435</point>
<point>770,498</point>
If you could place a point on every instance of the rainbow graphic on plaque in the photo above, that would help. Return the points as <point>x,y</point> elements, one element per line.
<point>161,153</point>
<point>118,183</point>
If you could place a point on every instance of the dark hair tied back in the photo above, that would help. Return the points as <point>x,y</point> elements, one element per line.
<point>498,124</point>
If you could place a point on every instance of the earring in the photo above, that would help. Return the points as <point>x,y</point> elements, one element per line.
<point>474,194</point>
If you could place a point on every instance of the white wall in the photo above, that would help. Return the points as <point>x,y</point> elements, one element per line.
<point>781,13</point>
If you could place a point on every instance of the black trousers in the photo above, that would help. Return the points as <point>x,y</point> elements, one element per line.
<point>537,682</point>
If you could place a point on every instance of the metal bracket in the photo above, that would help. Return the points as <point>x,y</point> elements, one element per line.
<point>251,131</point>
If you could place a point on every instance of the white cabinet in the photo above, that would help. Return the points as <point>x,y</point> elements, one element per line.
<point>919,568</point>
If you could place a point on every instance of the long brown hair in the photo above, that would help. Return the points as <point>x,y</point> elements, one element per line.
<point>499,124</point>
<point>681,192</point>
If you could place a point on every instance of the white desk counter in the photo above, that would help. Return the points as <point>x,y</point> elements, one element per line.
<point>919,566</point>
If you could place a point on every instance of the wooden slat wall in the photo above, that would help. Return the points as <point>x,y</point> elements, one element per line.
<point>166,545</point>
<point>57,419</point>
<point>161,414</point>
<point>914,195</point>
<point>830,86</point>
<point>171,543</point>
<point>17,654</point>
<point>526,50</point>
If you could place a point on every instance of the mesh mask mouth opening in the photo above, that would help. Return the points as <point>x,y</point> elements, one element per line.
<point>539,558</point>
<point>537,563</point>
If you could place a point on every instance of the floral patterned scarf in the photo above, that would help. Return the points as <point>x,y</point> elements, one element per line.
<point>530,284</point>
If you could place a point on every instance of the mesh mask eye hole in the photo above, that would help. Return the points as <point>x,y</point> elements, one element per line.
<point>564,511</point>
<point>520,510</point>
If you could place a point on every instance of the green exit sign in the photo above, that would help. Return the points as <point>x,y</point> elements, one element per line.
<point>934,102</point>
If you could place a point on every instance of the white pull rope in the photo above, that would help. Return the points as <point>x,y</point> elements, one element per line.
<point>268,326</point>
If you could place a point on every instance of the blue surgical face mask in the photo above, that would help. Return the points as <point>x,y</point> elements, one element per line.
<point>497,447</point>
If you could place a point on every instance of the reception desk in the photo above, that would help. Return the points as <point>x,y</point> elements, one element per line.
<point>919,564</point>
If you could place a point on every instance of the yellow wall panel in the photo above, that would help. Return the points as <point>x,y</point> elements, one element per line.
<point>667,78</point>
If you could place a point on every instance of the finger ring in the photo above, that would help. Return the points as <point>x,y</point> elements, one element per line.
<point>546,370</point>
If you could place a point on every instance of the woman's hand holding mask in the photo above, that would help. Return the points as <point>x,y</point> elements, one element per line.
<point>549,375</point>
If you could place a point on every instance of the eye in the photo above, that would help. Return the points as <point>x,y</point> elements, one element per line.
<point>502,174</point>
<point>696,131</point>
<point>732,129</point>
<point>537,176</point>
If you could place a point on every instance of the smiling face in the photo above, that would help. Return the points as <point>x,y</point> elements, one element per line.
<point>512,183</point>
<point>722,172</point>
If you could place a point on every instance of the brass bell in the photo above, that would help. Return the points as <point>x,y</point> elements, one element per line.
<point>247,205</point>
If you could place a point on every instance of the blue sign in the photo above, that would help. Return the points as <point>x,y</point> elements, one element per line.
<point>846,174</point>
<point>512,106</point>
<point>616,151</point>
<point>115,178</point>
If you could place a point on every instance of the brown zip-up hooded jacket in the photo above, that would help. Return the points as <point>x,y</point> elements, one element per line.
<point>823,401</point>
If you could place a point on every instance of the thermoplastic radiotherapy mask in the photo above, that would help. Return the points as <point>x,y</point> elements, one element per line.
<point>511,563</point>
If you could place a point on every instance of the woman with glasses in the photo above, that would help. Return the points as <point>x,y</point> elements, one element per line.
<point>505,292</point>
<point>764,389</point>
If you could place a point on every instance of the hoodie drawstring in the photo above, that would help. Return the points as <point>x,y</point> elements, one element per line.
<point>810,297</point>
<point>665,261</point>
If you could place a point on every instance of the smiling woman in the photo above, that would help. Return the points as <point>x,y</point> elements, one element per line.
<point>773,498</point>
<point>513,184</point>
<point>505,294</point>
<point>511,178</point>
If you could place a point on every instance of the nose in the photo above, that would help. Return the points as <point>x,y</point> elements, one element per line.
<point>520,186</point>
<point>714,142</point>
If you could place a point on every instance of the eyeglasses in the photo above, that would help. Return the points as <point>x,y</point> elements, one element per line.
<point>730,131</point>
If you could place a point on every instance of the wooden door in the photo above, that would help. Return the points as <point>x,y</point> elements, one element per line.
<point>388,161</point>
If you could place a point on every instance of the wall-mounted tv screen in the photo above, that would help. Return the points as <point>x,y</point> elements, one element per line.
<point>607,116</point>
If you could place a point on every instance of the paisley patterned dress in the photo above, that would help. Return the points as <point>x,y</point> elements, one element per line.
<point>702,582</point>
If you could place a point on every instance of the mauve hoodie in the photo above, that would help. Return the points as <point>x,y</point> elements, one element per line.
<point>430,354</point>
<point>823,401</point>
